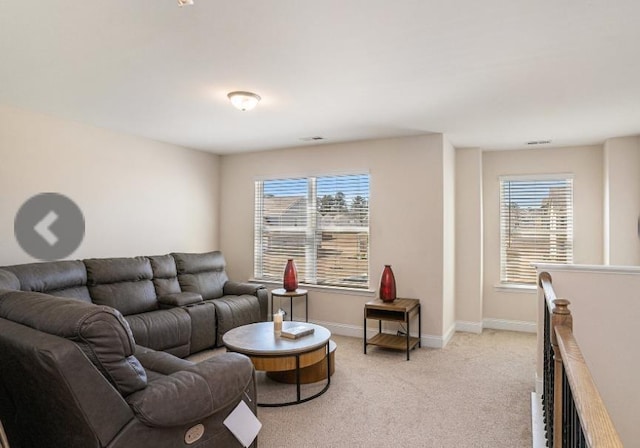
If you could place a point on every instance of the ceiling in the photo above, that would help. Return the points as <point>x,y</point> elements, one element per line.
<point>493,74</point>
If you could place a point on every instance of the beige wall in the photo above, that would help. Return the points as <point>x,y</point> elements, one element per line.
<point>622,201</point>
<point>138,196</point>
<point>605,304</point>
<point>585,163</point>
<point>468,209</point>
<point>406,221</point>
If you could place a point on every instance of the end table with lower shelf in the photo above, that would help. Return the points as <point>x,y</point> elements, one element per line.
<point>400,310</point>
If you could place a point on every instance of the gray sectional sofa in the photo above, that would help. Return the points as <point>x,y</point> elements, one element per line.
<point>92,351</point>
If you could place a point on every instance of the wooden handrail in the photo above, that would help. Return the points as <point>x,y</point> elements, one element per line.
<point>4,443</point>
<point>564,361</point>
<point>596,422</point>
<point>547,287</point>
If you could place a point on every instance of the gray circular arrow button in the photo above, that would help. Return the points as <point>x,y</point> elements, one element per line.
<point>49,226</point>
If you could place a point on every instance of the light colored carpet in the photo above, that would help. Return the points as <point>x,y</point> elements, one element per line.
<point>474,393</point>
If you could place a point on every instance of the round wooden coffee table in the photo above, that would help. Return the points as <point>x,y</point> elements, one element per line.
<point>271,353</point>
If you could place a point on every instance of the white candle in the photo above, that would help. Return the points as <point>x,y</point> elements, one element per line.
<point>277,323</point>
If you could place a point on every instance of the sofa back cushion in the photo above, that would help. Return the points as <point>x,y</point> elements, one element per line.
<point>165,275</point>
<point>100,332</point>
<point>57,278</point>
<point>122,283</point>
<point>202,273</point>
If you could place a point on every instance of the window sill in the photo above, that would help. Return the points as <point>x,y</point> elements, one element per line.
<point>320,288</point>
<point>515,287</point>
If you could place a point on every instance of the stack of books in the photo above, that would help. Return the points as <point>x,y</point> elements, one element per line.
<point>296,332</point>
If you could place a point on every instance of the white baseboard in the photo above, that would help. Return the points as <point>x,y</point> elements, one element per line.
<point>428,340</point>
<point>539,385</point>
<point>537,424</point>
<point>355,331</point>
<point>448,335</point>
<point>469,327</point>
<point>511,325</point>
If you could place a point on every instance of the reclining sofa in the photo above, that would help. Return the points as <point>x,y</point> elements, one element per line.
<point>91,352</point>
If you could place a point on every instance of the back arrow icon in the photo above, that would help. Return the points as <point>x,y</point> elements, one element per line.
<point>42,228</point>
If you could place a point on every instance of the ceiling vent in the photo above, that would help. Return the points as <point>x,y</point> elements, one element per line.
<point>539,142</point>
<point>311,139</point>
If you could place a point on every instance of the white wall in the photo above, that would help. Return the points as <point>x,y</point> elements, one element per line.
<point>406,220</point>
<point>139,197</point>
<point>605,304</point>
<point>622,201</point>
<point>585,163</point>
<point>469,240</point>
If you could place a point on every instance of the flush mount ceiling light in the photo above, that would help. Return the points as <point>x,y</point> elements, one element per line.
<point>243,100</point>
<point>185,2</point>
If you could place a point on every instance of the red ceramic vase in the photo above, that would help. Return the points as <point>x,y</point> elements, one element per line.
<point>290,280</point>
<point>387,285</point>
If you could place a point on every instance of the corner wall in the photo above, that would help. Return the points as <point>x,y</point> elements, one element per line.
<point>622,201</point>
<point>138,196</point>
<point>469,240</point>
<point>448,238</point>
<point>406,221</point>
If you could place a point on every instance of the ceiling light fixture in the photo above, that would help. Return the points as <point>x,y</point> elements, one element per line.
<point>185,2</point>
<point>243,100</point>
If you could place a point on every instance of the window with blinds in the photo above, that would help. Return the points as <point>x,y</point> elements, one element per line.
<point>536,225</point>
<point>321,222</point>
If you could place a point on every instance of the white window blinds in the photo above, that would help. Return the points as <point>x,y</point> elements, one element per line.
<point>320,222</point>
<point>536,225</point>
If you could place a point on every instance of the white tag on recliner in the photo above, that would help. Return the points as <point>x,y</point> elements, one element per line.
<point>243,424</point>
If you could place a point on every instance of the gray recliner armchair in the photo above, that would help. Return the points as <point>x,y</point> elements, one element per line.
<point>72,376</point>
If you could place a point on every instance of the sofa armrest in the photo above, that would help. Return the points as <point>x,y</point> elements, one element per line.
<point>161,362</point>
<point>253,289</point>
<point>180,299</point>
<point>238,288</point>
<point>191,395</point>
<point>9,281</point>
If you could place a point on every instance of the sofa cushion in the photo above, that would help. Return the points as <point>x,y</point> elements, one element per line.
<point>8,280</point>
<point>168,330</point>
<point>58,278</point>
<point>128,297</point>
<point>100,332</point>
<point>122,283</point>
<point>201,273</point>
<point>165,275</point>
<point>117,270</point>
<point>235,311</point>
<point>180,299</point>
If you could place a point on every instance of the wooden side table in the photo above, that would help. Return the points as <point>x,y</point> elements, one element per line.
<point>400,310</point>
<point>281,292</point>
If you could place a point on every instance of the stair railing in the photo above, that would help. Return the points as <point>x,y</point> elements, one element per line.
<point>574,414</point>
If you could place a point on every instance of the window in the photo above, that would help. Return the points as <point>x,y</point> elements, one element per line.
<point>320,222</point>
<point>536,225</point>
